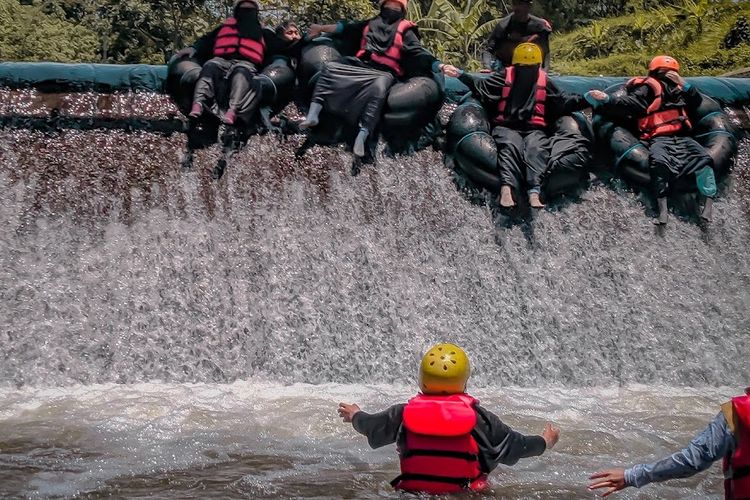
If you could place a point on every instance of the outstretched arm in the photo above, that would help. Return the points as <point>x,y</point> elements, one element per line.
<point>505,446</point>
<point>380,428</point>
<point>715,442</point>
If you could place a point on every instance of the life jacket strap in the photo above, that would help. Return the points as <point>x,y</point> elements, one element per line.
<point>463,482</point>
<point>471,457</point>
<point>740,473</point>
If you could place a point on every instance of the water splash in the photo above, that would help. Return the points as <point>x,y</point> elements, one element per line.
<point>116,266</point>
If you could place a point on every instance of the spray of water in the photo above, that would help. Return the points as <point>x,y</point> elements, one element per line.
<point>116,266</point>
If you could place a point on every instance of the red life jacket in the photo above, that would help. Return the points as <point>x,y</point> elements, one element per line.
<point>660,121</point>
<point>439,454</point>
<point>229,44</point>
<point>538,119</point>
<point>391,58</point>
<point>737,467</point>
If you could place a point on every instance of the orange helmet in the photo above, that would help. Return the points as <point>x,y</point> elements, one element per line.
<point>664,62</point>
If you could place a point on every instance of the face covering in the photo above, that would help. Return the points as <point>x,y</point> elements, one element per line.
<point>391,15</point>
<point>248,23</point>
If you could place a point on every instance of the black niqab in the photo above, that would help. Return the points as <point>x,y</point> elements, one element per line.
<point>522,96</point>
<point>383,30</point>
<point>248,23</point>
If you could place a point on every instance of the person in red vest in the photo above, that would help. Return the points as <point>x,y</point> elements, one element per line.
<point>727,437</point>
<point>523,103</point>
<point>447,442</point>
<point>663,104</point>
<point>389,49</point>
<point>237,50</point>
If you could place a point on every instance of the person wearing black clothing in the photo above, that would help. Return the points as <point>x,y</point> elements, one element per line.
<point>357,87</point>
<point>521,114</point>
<point>663,103</point>
<point>286,44</point>
<point>232,56</point>
<point>447,442</point>
<point>519,27</point>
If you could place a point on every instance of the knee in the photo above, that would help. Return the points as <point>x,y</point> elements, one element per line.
<point>212,69</point>
<point>382,86</point>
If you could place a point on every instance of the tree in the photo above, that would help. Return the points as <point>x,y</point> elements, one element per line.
<point>456,31</point>
<point>27,34</point>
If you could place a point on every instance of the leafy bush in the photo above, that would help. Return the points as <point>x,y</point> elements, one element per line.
<point>624,45</point>
<point>739,34</point>
<point>26,34</point>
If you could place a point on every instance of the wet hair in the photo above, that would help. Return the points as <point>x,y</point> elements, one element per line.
<point>281,28</point>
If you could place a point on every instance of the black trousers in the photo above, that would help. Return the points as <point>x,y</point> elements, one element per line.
<point>671,158</point>
<point>355,91</point>
<point>522,157</point>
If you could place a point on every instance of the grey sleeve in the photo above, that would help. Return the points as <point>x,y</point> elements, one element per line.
<point>382,428</point>
<point>503,445</point>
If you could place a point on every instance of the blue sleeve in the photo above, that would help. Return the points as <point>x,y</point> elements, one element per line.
<point>714,443</point>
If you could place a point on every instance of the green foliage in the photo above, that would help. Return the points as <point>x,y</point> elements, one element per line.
<point>739,34</point>
<point>569,14</point>
<point>308,12</point>
<point>692,31</point>
<point>132,31</point>
<point>455,31</point>
<point>27,34</point>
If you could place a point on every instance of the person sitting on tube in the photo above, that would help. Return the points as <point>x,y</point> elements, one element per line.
<point>447,442</point>
<point>390,49</point>
<point>727,437</point>
<point>663,102</point>
<point>237,51</point>
<point>523,102</point>
<point>287,43</point>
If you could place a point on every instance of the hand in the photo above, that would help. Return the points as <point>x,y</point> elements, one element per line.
<point>450,70</point>
<point>347,411</point>
<point>598,95</point>
<point>186,52</point>
<point>612,479</point>
<point>315,30</point>
<point>675,77</point>
<point>551,435</point>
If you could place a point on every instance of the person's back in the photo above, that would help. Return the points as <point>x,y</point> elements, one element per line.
<point>446,441</point>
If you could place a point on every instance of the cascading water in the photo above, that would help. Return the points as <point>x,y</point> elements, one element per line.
<point>153,320</point>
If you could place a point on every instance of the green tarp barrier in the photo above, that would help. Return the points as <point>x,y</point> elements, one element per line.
<point>73,77</point>
<point>113,77</point>
<point>728,91</point>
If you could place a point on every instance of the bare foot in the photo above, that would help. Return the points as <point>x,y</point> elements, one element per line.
<point>708,210</point>
<point>534,201</point>
<point>506,197</point>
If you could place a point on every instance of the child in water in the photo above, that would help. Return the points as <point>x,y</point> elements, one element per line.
<point>447,442</point>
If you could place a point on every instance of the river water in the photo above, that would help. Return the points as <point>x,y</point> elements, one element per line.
<point>165,335</point>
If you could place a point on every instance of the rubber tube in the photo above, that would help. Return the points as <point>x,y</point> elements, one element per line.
<point>474,151</point>
<point>629,156</point>
<point>314,57</point>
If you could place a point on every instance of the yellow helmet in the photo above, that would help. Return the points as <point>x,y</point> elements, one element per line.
<point>527,54</point>
<point>445,369</point>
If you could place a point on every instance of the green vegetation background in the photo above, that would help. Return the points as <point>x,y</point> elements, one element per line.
<point>592,37</point>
